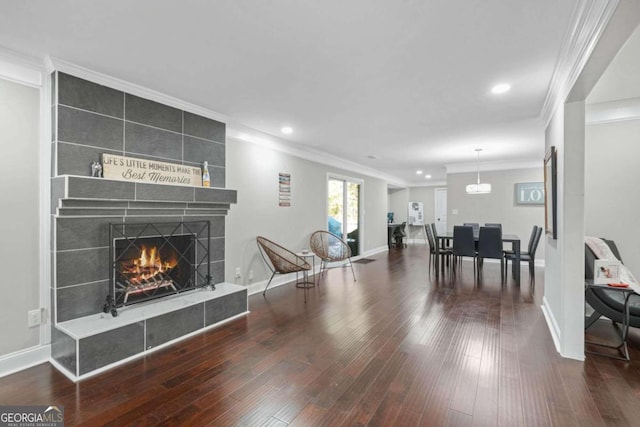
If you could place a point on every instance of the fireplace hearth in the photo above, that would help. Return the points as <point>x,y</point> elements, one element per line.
<point>152,260</point>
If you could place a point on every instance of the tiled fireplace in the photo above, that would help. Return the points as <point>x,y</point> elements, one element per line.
<point>88,120</point>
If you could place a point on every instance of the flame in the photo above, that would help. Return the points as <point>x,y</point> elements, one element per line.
<point>148,265</point>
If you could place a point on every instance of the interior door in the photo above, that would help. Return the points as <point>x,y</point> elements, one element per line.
<point>441,210</point>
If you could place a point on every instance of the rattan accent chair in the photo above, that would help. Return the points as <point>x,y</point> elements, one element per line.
<point>330,248</point>
<point>280,260</point>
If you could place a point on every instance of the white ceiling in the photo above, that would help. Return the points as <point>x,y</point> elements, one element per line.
<point>406,81</point>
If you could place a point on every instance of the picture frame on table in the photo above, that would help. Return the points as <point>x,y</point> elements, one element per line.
<point>551,193</point>
<point>606,271</point>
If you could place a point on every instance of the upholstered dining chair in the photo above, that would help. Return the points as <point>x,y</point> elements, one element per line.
<point>280,260</point>
<point>529,255</point>
<point>435,236</point>
<point>464,244</point>
<point>490,246</point>
<point>330,248</point>
<point>474,225</point>
<point>434,248</point>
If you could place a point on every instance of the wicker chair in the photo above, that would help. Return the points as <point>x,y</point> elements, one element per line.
<point>330,248</point>
<point>280,260</point>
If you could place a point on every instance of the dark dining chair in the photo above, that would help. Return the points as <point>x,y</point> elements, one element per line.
<point>435,234</point>
<point>490,246</point>
<point>474,225</point>
<point>464,244</point>
<point>529,255</point>
<point>434,248</point>
<point>493,224</point>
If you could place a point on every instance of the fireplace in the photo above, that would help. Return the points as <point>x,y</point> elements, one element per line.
<point>91,217</point>
<point>152,260</point>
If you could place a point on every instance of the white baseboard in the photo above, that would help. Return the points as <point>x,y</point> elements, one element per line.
<point>372,252</point>
<point>280,280</point>
<point>20,360</point>
<point>417,242</point>
<point>551,323</point>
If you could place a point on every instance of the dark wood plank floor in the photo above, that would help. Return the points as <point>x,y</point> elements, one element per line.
<point>395,348</point>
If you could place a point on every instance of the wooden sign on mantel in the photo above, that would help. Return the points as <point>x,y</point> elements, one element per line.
<point>149,171</point>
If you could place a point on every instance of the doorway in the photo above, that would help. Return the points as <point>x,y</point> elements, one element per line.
<point>441,210</point>
<point>343,203</point>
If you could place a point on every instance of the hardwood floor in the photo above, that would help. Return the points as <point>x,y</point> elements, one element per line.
<point>395,348</point>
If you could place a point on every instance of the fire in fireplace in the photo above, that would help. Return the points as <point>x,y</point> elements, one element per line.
<point>148,272</point>
<point>146,267</point>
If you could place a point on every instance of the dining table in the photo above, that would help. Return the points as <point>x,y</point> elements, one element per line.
<point>444,238</point>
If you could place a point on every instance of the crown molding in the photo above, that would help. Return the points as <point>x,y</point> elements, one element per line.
<point>20,68</point>
<point>240,133</point>
<point>235,131</point>
<point>55,64</point>
<point>590,17</point>
<point>492,166</point>
<point>613,111</point>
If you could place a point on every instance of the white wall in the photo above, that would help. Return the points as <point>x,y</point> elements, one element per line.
<point>499,205</point>
<point>612,199</point>
<point>552,300</point>
<point>253,171</point>
<point>19,186</point>
<point>563,300</point>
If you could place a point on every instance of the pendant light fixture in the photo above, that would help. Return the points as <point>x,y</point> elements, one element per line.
<point>478,188</point>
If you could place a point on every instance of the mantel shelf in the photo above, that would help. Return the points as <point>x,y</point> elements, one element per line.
<point>71,192</point>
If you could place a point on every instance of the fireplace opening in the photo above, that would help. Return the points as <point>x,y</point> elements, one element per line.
<point>153,260</point>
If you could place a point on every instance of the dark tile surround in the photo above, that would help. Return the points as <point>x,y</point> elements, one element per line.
<point>89,119</point>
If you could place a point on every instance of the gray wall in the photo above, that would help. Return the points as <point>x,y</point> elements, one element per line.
<point>611,186</point>
<point>19,186</point>
<point>253,171</point>
<point>398,200</point>
<point>427,197</point>
<point>498,206</point>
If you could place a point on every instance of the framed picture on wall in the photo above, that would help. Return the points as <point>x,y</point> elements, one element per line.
<point>530,193</point>
<point>551,193</point>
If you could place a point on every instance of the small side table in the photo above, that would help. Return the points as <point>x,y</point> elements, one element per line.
<point>622,347</point>
<point>306,281</point>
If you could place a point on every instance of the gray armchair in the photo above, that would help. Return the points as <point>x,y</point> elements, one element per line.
<point>607,303</point>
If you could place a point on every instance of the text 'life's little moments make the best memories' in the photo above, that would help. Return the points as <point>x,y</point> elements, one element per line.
<point>150,171</point>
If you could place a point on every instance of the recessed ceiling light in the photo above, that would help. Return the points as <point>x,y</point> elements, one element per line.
<point>419,172</point>
<point>500,88</point>
<point>428,176</point>
<point>287,130</point>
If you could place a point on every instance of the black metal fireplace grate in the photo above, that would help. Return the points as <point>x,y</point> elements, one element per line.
<point>152,260</point>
